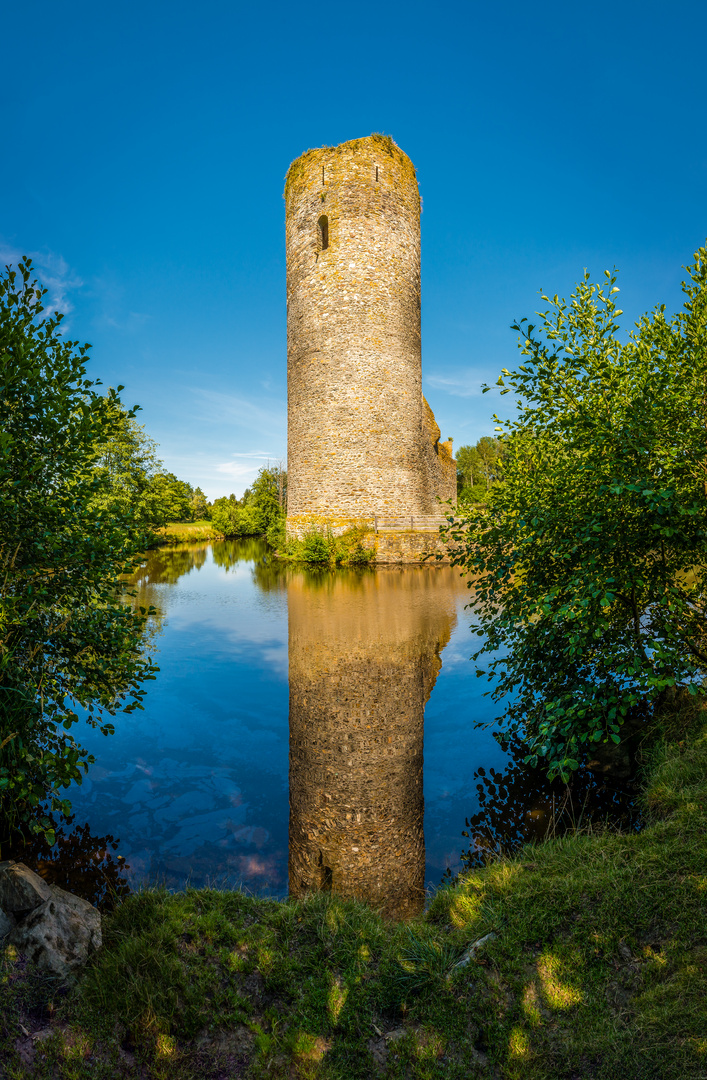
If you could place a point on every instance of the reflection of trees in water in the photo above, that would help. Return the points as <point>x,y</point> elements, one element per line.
<point>165,565</point>
<point>227,553</point>
<point>270,573</point>
<point>520,805</point>
<point>78,862</point>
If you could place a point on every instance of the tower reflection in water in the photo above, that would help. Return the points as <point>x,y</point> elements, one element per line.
<point>364,655</point>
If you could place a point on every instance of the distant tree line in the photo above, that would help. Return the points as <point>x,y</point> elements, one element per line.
<point>134,482</point>
<point>479,467</point>
<point>259,512</point>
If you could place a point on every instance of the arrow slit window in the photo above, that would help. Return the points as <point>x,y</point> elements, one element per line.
<point>323,228</point>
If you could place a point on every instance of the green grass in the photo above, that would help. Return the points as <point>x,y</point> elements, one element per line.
<point>183,532</point>
<point>598,969</point>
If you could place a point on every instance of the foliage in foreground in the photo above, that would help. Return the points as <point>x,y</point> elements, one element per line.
<point>66,639</point>
<point>589,561</point>
<point>598,969</point>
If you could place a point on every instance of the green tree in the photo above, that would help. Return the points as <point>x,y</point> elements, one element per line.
<point>469,468</point>
<point>126,463</point>
<point>67,641</point>
<point>490,455</point>
<point>171,498</point>
<point>227,517</point>
<point>478,467</point>
<point>200,509</point>
<point>266,498</point>
<point>589,561</point>
<point>133,481</point>
<point>260,510</point>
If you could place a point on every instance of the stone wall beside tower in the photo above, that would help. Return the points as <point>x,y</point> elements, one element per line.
<point>362,440</point>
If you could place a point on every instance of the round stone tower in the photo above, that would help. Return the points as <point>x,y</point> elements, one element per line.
<point>359,436</point>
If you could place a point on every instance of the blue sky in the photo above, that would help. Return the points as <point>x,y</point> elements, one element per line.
<point>145,147</point>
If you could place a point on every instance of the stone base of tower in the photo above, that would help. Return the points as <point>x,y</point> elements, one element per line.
<point>298,526</point>
<point>407,539</point>
<point>411,546</point>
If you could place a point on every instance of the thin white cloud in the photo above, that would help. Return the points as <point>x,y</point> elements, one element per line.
<point>267,417</point>
<point>258,455</point>
<point>235,470</point>
<point>464,385</point>
<point>132,322</point>
<point>218,478</point>
<point>238,470</point>
<point>111,304</point>
<point>52,271</point>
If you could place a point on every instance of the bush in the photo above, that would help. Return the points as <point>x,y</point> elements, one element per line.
<point>66,640</point>
<point>589,561</point>
<point>322,549</point>
<point>317,549</point>
<point>258,512</point>
<point>276,535</point>
<point>478,493</point>
<point>231,519</point>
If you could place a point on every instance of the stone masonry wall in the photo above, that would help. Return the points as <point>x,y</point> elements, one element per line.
<point>363,658</point>
<point>358,430</point>
<point>410,547</point>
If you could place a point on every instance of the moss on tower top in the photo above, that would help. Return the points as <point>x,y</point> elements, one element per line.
<point>385,142</point>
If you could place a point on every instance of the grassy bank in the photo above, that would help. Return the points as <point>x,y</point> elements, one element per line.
<point>598,968</point>
<point>184,532</point>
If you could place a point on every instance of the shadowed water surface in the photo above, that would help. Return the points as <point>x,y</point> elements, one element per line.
<point>281,745</point>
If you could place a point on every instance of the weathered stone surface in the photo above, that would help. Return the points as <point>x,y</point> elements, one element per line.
<point>397,541</point>
<point>60,934</point>
<point>21,889</point>
<point>396,546</point>
<point>362,440</point>
<point>7,923</point>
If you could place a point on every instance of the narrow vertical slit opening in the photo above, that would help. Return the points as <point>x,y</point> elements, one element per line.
<point>323,226</point>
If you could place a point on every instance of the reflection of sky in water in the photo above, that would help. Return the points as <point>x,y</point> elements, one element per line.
<point>196,785</point>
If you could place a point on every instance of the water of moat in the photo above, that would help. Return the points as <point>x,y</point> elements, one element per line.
<point>281,745</point>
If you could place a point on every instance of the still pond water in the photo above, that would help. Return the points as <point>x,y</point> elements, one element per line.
<point>281,745</point>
